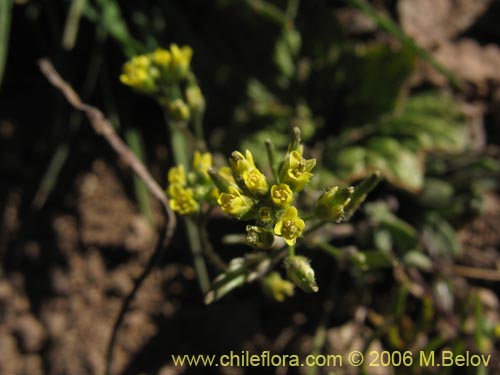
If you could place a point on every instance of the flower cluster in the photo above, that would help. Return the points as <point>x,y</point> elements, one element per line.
<point>188,191</point>
<point>163,74</point>
<point>247,194</point>
<point>244,192</point>
<point>149,72</point>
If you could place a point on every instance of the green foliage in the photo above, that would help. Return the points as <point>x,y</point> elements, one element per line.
<point>373,76</point>
<point>108,13</point>
<point>398,143</point>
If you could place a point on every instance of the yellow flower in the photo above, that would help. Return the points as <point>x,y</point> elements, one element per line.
<point>136,73</point>
<point>162,57</point>
<point>240,163</point>
<point>202,162</point>
<point>181,59</point>
<point>234,203</point>
<point>195,99</point>
<point>179,110</point>
<point>177,175</point>
<point>290,226</point>
<point>277,288</point>
<point>246,174</point>
<point>281,195</point>
<point>181,200</point>
<point>255,181</point>
<point>298,171</point>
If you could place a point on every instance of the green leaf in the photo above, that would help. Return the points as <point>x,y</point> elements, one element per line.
<point>399,165</point>
<point>286,49</point>
<point>417,259</point>
<point>403,236</point>
<point>437,193</point>
<point>375,259</point>
<point>108,13</point>
<point>375,78</point>
<point>399,144</point>
<point>439,237</point>
<point>430,122</point>
<point>235,276</point>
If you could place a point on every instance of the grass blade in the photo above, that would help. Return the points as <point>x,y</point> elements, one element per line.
<point>72,24</point>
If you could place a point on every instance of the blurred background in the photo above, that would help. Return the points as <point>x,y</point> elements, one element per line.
<point>407,87</point>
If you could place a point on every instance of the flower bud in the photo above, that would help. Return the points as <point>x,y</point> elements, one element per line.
<point>178,110</point>
<point>265,214</point>
<point>177,175</point>
<point>221,179</point>
<point>181,59</point>
<point>195,99</point>
<point>137,73</point>
<point>240,163</point>
<point>331,204</point>
<point>300,272</point>
<point>361,191</point>
<point>247,175</point>
<point>162,57</point>
<point>276,287</point>
<point>182,200</point>
<point>258,237</point>
<point>202,162</point>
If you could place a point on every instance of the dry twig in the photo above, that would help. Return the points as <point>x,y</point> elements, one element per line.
<point>103,127</point>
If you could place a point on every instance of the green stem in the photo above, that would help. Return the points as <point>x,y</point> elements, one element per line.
<point>178,143</point>
<point>329,249</point>
<point>179,146</point>
<point>320,334</point>
<point>72,23</point>
<point>315,227</point>
<point>291,251</point>
<point>52,173</point>
<point>208,250</point>
<point>272,160</point>
<point>197,252</point>
<point>268,10</point>
<point>136,144</point>
<point>198,126</point>
<point>292,9</point>
<point>309,217</point>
